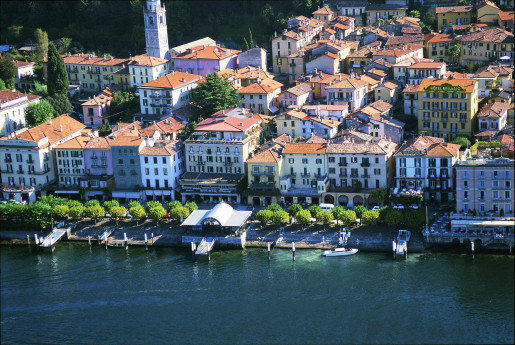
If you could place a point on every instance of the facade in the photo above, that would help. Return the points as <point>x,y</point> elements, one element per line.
<point>216,153</point>
<point>24,74</point>
<point>70,166</point>
<point>324,14</point>
<point>486,46</point>
<point>297,95</point>
<point>425,165</point>
<point>318,81</point>
<point>28,160</point>
<point>287,43</point>
<point>410,98</point>
<point>203,60</point>
<point>399,54</point>
<point>98,181</point>
<point>485,185</point>
<point>447,107</point>
<point>95,110</point>
<point>493,116</point>
<point>122,78</point>
<point>167,92</point>
<point>254,57</point>
<point>487,12</point>
<point>352,92</point>
<point>388,91</point>
<point>12,110</point>
<point>384,11</point>
<point>421,70</point>
<point>492,78</point>
<point>156,32</point>
<point>437,45</point>
<point>145,68</point>
<point>263,174</point>
<point>453,15</point>
<point>261,97</point>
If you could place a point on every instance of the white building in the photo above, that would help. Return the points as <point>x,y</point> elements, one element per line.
<point>261,97</point>
<point>493,116</point>
<point>28,163</point>
<point>418,71</point>
<point>168,92</point>
<point>24,74</point>
<point>12,110</point>
<point>352,92</point>
<point>144,69</point>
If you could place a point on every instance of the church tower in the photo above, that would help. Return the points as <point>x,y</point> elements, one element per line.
<point>156,34</point>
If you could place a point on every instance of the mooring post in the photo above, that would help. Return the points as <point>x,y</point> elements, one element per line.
<point>293,250</point>
<point>28,241</point>
<point>152,237</point>
<point>193,249</point>
<point>394,246</point>
<point>105,239</point>
<point>405,250</point>
<point>268,248</point>
<point>146,242</point>
<point>89,240</point>
<point>472,248</point>
<point>36,239</point>
<point>125,241</point>
<point>323,241</point>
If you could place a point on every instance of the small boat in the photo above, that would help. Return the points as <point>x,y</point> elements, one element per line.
<point>115,244</point>
<point>340,251</point>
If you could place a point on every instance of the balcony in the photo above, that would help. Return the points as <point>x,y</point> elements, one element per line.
<point>7,171</point>
<point>39,172</point>
<point>425,118</point>
<point>463,119</point>
<point>365,175</point>
<point>445,119</point>
<point>94,71</point>
<point>365,164</point>
<point>354,175</point>
<point>30,161</point>
<point>262,186</point>
<point>342,164</point>
<point>305,174</point>
<point>228,164</point>
<point>201,163</point>
<point>102,165</point>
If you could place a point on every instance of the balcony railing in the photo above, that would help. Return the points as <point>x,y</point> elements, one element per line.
<point>365,164</point>
<point>342,164</point>
<point>20,171</point>
<point>305,174</point>
<point>38,172</point>
<point>343,175</point>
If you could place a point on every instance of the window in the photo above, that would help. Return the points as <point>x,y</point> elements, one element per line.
<point>353,159</point>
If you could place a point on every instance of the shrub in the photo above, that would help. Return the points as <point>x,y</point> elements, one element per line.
<point>370,217</point>
<point>92,202</point>
<point>60,211</point>
<point>157,213</point>
<point>274,208</point>
<point>152,204</point>
<point>303,217</point>
<point>314,209</point>
<point>337,212</point>
<point>360,209</point>
<point>95,212</point>
<point>192,206</point>
<point>324,217</point>
<point>348,217</point>
<point>280,217</point>
<point>393,218</point>
<point>293,209</point>
<point>137,213</point>
<point>133,203</point>
<point>77,212</point>
<point>173,204</point>
<point>73,203</point>
<point>110,204</point>
<point>178,212</point>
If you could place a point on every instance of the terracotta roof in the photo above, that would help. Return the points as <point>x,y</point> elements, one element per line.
<point>381,105</point>
<point>327,107</point>
<point>341,26</point>
<point>56,129</point>
<point>350,145</point>
<point>426,65</point>
<point>350,83</point>
<point>207,52</point>
<point>487,3</point>
<point>19,64</point>
<point>299,90</point>
<point>390,85</point>
<point>6,96</point>
<point>328,123</point>
<point>264,87</point>
<point>304,148</point>
<point>493,71</point>
<point>97,100</point>
<point>408,30</point>
<point>495,35</point>
<point>251,72</point>
<point>283,139</point>
<point>505,16</point>
<point>400,51</point>
<point>166,126</point>
<point>295,113</point>
<point>437,37</point>
<point>145,60</point>
<point>486,134</point>
<point>454,9</point>
<point>270,155</point>
<point>89,59</point>
<point>98,143</point>
<point>173,80</point>
<point>126,140</point>
<point>229,124</point>
<point>396,40</point>
<point>366,51</point>
<point>75,143</point>
<point>496,109</point>
<point>382,62</point>
<point>456,75</point>
<point>378,72</point>
<point>315,140</point>
<point>467,84</point>
<point>353,45</point>
<point>370,81</point>
<point>324,10</point>
<point>162,148</point>
<point>429,147</point>
<point>410,88</point>
<point>293,35</point>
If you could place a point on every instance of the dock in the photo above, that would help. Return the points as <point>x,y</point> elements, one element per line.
<point>52,238</point>
<point>205,246</point>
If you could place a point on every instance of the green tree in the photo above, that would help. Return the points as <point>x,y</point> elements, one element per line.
<point>60,103</point>
<point>463,3</point>
<point>73,203</point>
<point>157,213</point>
<point>192,206</point>
<point>453,52</point>
<point>174,204</point>
<point>110,204</point>
<point>14,33</point>
<point>274,208</point>
<point>178,212</point>
<point>337,212</point>
<point>370,217</point>
<point>104,129</point>
<point>213,95</point>
<point>60,211</point>
<point>133,203</point>
<point>379,195</point>
<point>76,212</point>
<point>383,211</point>
<point>303,217</point>
<point>414,218</point>
<point>314,209</point>
<point>57,78</point>
<point>116,212</point>
<point>359,210</point>
<point>293,209</point>
<point>64,45</point>
<point>393,218</point>
<point>92,202</point>
<point>264,216</point>
<point>324,217</point>
<point>39,210</point>
<point>38,113</point>
<point>414,13</point>
<point>2,85</point>
<point>151,204</point>
<point>95,212</point>
<point>7,71</point>
<point>53,200</point>
<point>41,44</point>
<point>123,106</point>
<point>39,90</point>
<point>137,213</point>
<point>280,217</point>
<point>463,141</point>
<point>348,217</point>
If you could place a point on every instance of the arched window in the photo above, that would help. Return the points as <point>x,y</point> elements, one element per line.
<point>151,21</point>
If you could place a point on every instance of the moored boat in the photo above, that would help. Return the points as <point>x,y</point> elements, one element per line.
<point>340,251</point>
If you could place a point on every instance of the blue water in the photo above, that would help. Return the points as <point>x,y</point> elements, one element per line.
<point>87,295</point>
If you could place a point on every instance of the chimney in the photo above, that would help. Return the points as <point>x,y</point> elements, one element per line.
<point>241,124</point>
<point>60,128</point>
<point>340,77</point>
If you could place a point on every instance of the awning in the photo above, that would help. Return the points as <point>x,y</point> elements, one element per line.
<point>129,195</point>
<point>356,66</point>
<point>505,57</point>
<point>158,192</point>
<point>67,192</point>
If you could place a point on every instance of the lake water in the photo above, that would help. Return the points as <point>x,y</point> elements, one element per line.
<point>87,295</point>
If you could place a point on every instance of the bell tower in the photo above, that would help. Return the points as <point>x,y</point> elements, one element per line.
<point>156,34</point>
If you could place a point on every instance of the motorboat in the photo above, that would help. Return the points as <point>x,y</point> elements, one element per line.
<point>340,251</point>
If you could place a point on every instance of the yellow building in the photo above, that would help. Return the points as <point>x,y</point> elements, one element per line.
<point>318,80</point>
<point>122,78</point>
<point>436,46</point>
<point>447,107</point>
<point>388,92</point>
<point>487,12</point>
<point>485,46</point>
<point>453,15</point>
<point>384,11</point>
<point>324,14</point>
<point>264,175</point>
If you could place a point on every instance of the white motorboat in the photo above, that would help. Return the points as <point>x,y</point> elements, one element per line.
<point>340,251</point>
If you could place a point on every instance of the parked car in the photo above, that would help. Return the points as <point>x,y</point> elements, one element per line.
<point>398,207</point>
<point>414,206</point>
<point>107,215</point>
<point>376,208</point>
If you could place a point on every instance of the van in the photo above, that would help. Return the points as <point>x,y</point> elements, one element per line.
<point>326,207</point>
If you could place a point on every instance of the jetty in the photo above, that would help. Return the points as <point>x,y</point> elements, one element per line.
<point>205,246</point>
<point>400,245</point>
<point>51,239</point>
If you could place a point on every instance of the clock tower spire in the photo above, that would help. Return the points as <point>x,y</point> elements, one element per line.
<point>156,34</point>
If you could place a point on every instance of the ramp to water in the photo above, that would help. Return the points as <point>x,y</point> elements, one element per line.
<point>51,239</point>
<point>205,246</point>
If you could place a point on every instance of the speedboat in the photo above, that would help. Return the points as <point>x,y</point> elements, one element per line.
<point>340,251</point>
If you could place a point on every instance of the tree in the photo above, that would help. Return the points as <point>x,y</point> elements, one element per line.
<point>303,217</point>
<point>57,78</point>
<point>359,210</point>
<point>370,217</point>
<point>73,203</point>
<point>151,204</point>
<point>314,209</point>
<point>274,208</point>
<point>337,212</point>
<point>92,202</point>
<point>379,195</point>
<point>137,213</point>
<point>123,106</point>
<point>174,204</point>
<point>157,213</point>
<point>77,212</point>
<point>463,141</point>
<point>39,210</point>
<point>38,113</point>
<point>213,95</point>
<point>393,218</point>
<point>116,212</point>
<point>324,217</point>
<point>64,45</point>
<point>413,218</point>
<point>110,204</point>
<point>133,203</point>
<point>280,217</point>
<point>60,103</point>
<point>293,209</point>
<point>454,52</point>
<point>41,44</point>
<point>356,186</point>
<point>178,212</point>
<point>463,3</point>
<point>414,13</point>
<point>60,211</point>
<point>53,200</point>
<point>104,129</point>
<point>95,212</point>
<point>348,217</point>
<point>7,71</point>
<point>2,85</point>
<point>264,216</point>
<point>14,33</point>
<point>192,206</point>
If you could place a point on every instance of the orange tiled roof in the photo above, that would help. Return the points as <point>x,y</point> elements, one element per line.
<point>168,149</point>
<point>454,9</point>
<point>89,59</point>
<point>390,85</point>
<point>424,65</point>
<point>467,84</point>
<point>324,10</point>
<point>434,38</point>
<point>264,87</point>
<point>404,39</point>
<point>400,51</point>
<point>496,109</point>
<point>98,143</point>
<point>495,35</point>
<point>145,60</point>
<point>97,100</point>
<point>75,143</point>
<point>304,148</point>
<point>173,80</point>
<point>6,96</point>
<point>270,155</point>
<point>505,16</point>
<point>315,140</point>
<point>349,83</point>
<point>207,52</point>
<point>166,126</point>
<point>19,64</point>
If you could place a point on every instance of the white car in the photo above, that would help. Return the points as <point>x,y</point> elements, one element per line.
<point>414,206</point>
<point>376,208</point>
<point>399,207</point>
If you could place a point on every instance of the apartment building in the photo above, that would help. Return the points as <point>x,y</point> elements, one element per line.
<point>325,14</point>
<point>453,15</point>
<point>492,78</point>
<point>318,81</point>
<point>95,110</point>
<point>216,153</point>
<point>298,123</point>
<point>289,42</point>
<point>436,45</point>
<point>203,60</point>
<point>144,69</point>
<point>383,11</point>
<point>401,53</point>
<point>28,160</point>
<point>485,46</point>
<point>98,180</point>
<point>425,165</point>
<point>24,74</point>
<point>421,70</point>
<point>447,107</point>
<point>12,110</point>
<point>493,116</point>
<point>297,95</point>
<point>350,92</point>
<point>261,97</point>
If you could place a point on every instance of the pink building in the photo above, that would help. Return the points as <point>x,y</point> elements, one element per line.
<point>95,109</point>
<point>205,59</point>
